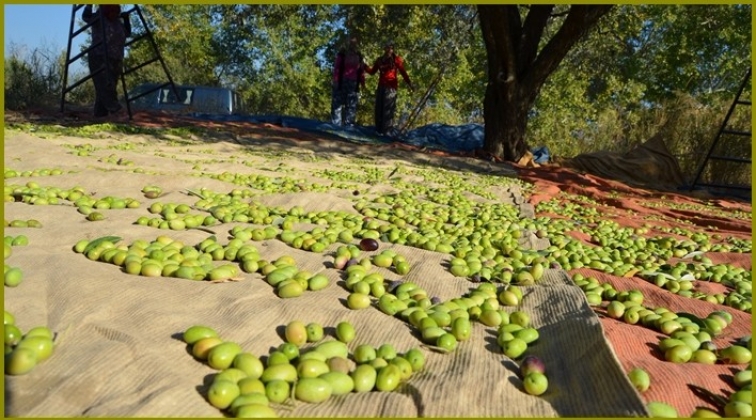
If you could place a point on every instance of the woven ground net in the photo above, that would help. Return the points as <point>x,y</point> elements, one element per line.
<point>177,199</point>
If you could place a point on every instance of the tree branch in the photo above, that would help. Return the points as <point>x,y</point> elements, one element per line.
<point>578,22</point>
<point>535,23</point>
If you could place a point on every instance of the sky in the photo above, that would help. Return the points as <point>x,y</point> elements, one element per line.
<point>44,27</point>
<point>40,26</point>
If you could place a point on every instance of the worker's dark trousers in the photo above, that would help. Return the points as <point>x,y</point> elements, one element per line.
<point>344,102</point>
<point>105,83</point>
<point>385,107</point>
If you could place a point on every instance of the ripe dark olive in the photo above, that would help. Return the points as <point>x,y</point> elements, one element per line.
<point>393,285</point>
<point>531,364</point>
<point>368,244</point>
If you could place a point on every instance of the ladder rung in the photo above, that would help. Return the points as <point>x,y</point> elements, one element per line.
<point>138,38</point>
<point>741,102</point>
<point>734,187</point>
<point>156,88</point>
<point>731,159</point>
<point>75,85</point>
<point>135,68</point>
<point>736,132</point>
<point>80,30</point>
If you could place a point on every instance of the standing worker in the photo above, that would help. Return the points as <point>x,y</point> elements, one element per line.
<point>117,28</point>
<point>385,95</point>
<point>348,76</point>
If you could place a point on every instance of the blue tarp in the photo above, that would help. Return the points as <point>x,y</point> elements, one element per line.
<point>450,138</point>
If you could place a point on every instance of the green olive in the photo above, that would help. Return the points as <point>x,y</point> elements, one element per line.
<point>250,364</point>
<point>341,383</point>
<point>735,355</point>
<point>290,350</point>
<point>278,390</point>
<point>255,411</point>
<point>20,361</point>
<point>296,333</point>
<point>678,354</point>
<point>277,358</point>
<point>461,329</point>
<point>312,390</point>
<point>404,366</point>
<point>345,332</point>
<point>317,282</point>
<point>41,346</point>
<point>447,342</point>
<point>283,372</point>
<point>8,318</point>
<point>13,335</point>
<point>520,318</point>
<point>314,332</point>
<point>331,349</point>
<point>490,318</point>
<point>311,368</point>
<point>198,332</point>
<point>202,347</point>
<point>640,379</point>
<point>386,351</point>
<point>701,412</point>
<point>364,377</point>
<point>382,260</point>
<point>514,348</point>
<point>313,354</point>
<point>250,385</point>
<point>358,301</point>
<point>248,399</point>
<point>660,409</point>
<point>364,353</point>
<point>13,277</point>
<point>231,374</point>
<point>416,358</point>
<point>388,378</point>
<point>528,335</point>
<point>222,355</point>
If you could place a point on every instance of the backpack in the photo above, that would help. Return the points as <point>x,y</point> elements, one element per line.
<point>342,54</point>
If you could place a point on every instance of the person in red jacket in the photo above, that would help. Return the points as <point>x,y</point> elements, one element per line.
<point>385,96</point>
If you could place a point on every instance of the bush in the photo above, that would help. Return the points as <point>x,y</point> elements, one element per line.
<point>35,80</point>
<point>690,127</point>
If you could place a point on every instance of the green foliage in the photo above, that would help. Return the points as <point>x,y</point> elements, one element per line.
<point>280,57</point>
<point>625,81</point>
<point>34,79</point>
<point>183,33</point>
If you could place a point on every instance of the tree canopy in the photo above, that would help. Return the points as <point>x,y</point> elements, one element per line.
<point>279,57</point>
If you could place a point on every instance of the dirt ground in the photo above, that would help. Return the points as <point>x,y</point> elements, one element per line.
<point>113,307</point>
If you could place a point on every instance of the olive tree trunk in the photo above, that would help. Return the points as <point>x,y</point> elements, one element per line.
<point>517,69</point>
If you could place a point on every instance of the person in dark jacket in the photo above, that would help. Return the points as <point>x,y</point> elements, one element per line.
<point>385,96</point>
<point>110,28</point>
<point>348,76</point>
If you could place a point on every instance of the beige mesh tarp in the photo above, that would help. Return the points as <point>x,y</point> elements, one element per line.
<point>118,349</point>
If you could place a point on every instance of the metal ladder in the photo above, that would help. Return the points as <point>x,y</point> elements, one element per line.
<point>146,35</point>
<point>726,130</point>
